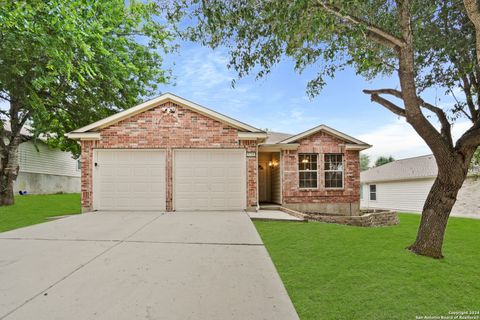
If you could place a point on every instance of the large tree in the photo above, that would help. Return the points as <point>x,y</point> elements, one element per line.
<point>364,162</point>
<point>64,64</point>
<point>426,43</point>
<point>383,160</point>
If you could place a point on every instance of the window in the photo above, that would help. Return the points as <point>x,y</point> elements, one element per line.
<point>307,169</point>
<point>334,170</point>
<point>373,192</point>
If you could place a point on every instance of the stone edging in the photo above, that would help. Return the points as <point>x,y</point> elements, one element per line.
<point>372,219</point>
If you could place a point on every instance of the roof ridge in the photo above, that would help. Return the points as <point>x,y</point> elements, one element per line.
<point>164,97</point>
<point>425,155</point>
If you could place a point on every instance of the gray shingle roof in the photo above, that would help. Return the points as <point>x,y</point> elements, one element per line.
<point>274,137</point>
<point>404,169</point>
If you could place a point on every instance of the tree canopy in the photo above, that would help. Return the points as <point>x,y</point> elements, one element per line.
<point>364,162</point>
<point>425,43</point>
<point>383,160</point>
<point>64,64</point>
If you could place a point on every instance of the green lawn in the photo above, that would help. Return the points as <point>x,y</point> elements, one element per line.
<point>341,272</point>
<point>33,209</point>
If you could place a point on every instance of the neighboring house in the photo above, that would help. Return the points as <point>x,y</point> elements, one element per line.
<point>46,170</point>
<point>403,185</point>
<point>172,154</point>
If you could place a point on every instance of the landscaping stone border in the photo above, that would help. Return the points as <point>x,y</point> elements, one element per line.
<point>377,218</point>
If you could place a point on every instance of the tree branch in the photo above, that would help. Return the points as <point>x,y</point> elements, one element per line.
<point>470,139</point>
<point>374,32</point>
<point>467,89</point>
<point>446,130</point>
<point>375,97</point>
<point>442,117</point>
<point>4,97</point>
<point>473,13</point>
<point>393,92</point>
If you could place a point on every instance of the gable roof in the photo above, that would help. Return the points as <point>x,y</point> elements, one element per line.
<point>275,137</point>
<point>166,97</point>
<point>404,169</point>
<point>326,129</point>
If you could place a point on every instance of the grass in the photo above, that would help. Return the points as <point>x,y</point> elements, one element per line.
<point>33,209</point>
<point>342,272</point>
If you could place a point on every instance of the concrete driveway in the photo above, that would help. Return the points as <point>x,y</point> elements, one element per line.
<point>139,265</point>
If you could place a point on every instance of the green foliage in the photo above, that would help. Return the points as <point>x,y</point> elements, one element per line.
<point>261,33</point>
<point>476,159</point>
<point>364,162</point>
<point>33,209</point>
<point>65,64</point>
<point>343,272</point>
<point>383,160</point>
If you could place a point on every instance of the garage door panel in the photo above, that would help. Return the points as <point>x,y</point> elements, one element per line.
<point>209,179</point>
<point>200,172</point>
<point>129,180</point>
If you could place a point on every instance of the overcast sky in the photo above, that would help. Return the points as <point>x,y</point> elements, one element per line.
<point>279,102</point>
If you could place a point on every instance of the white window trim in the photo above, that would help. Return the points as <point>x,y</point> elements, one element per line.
<point>316,172</point>
<point>370,192</point>
<point>342,171</point>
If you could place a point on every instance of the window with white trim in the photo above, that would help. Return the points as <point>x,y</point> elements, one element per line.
<point>373,192</point>
<point>307,170</point>
<point>334,170</point>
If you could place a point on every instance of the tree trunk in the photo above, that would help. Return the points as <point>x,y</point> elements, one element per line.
<point>8,172</point>
<point>437,208</point>
<point>6,189</point>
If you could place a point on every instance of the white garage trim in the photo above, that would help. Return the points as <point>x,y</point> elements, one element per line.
<point>231,188</point>
<point>144,179</point>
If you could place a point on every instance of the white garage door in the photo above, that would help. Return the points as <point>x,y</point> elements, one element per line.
<point>209,179</point>
<point>129,180</point>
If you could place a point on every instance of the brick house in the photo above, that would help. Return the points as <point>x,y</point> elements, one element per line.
<point>171,154</point>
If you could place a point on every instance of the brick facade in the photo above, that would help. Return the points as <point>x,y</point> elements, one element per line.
<point>157,129</point>
<point>343,201</point>
<point>170,126</point>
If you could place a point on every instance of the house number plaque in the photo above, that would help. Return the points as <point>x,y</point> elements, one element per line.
<point>251,154</point>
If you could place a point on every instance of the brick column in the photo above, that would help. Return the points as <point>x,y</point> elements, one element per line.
<point>86,178</point>
<point>252,174</point>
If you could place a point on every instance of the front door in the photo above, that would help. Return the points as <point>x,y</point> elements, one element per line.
<point>262,182</point>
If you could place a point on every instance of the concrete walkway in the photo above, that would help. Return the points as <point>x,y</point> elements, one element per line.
<point>275,215</point>
<point>132,265</point>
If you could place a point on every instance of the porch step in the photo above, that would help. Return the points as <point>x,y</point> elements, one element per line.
<point>270,207</point>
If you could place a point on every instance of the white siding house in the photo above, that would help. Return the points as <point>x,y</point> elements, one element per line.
<point>44,170</point>
<point>403,185</point>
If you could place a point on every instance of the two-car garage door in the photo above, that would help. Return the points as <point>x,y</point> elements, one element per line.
<point>203,179</point>
<point>129,180</point>
<point>209,179</point>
